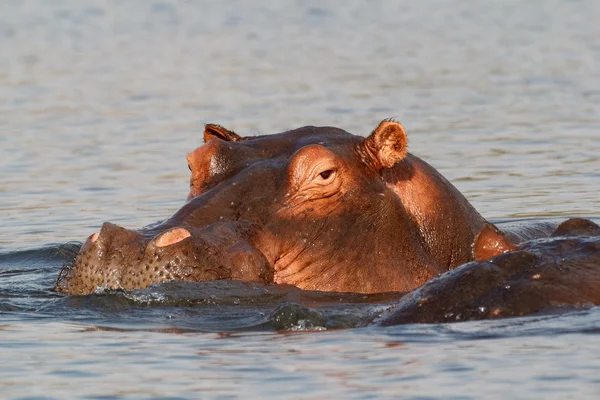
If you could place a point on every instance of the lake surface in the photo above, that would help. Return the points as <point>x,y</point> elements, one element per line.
<point>100,101</point>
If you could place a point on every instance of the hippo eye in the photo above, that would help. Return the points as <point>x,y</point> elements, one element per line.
<point>326,174</point>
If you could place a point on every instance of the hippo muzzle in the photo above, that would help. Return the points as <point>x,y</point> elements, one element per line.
<point>118,258</point>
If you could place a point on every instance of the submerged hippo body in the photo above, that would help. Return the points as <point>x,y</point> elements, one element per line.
<point>510,280</point>
<point>315,207</point>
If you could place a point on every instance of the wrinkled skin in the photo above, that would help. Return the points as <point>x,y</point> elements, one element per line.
<point>510,280</point>
<point>315,207</point>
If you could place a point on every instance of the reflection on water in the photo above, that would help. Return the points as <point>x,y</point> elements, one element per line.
<point>101,100</point>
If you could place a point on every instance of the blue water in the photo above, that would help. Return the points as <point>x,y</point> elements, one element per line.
<point>100,101</point>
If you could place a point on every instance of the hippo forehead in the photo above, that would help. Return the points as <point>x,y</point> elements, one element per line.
<point>285,144</point>
<point>281,145</point>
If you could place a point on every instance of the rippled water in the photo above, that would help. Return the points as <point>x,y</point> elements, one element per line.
<point>101,100</point>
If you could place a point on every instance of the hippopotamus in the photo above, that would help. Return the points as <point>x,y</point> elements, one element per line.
<point>314,207</point>
<point>509,279</point>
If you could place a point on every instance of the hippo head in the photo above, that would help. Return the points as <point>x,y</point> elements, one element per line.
<point>315,207</point>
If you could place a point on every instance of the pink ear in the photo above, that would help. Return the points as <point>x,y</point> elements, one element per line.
<point>490,242</point>
<point>387,144</point>
<point>212,131</point>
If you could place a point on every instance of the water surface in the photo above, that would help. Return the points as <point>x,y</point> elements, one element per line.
<point>101,100</point>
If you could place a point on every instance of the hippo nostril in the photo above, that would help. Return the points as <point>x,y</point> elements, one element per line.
<point>94,237</point>
<point>111,233</point>
<point>173,236</point>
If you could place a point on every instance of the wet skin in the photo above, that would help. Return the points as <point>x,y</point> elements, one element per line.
<point>325,210</point>
<point>315,207</point>
<point>509,280</point>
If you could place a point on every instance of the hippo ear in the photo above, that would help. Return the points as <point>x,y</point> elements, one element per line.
<point>212,131</point>
<point>577,227</point>
<point>490,242</point>
<point>387,144</point>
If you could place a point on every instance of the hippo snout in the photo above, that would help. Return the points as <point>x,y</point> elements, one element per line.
<point>118,258</point>
<point>102,260</point>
